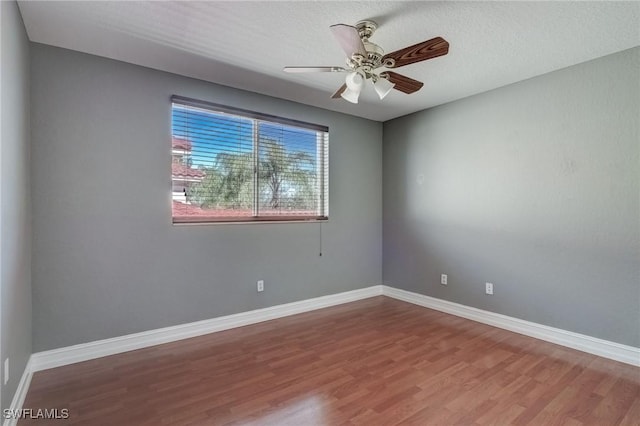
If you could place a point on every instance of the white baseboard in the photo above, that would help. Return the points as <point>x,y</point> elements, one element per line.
<point>581,342</point>
<point>20,395</point>
<point>87,351</point>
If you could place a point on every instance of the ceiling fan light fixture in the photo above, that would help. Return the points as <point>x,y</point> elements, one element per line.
<point>350,95</point>
<point>355,83</point>
<point>355,80</point>
<point>382,87</point>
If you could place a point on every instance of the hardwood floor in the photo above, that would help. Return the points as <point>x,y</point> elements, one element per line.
<point>374,362</point>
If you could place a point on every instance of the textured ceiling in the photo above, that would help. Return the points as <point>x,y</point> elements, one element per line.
<point>246,44</point>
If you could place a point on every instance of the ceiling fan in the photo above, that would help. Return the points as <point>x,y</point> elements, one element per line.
<point>367,61</point>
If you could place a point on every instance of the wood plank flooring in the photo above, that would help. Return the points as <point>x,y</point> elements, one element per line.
<point>374,362</point>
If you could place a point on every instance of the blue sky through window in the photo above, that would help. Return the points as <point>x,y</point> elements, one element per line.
<point>212,133</point>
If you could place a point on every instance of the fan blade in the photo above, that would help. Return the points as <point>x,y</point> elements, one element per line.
<point>313,69</point>
<point>349,39</point>
<point>339,92</point>
<point>403,83</point>
<point>418,52</point>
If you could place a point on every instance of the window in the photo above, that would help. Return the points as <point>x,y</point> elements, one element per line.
<point>232,165</point>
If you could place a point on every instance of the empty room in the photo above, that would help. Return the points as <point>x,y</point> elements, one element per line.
<point>319,213</point>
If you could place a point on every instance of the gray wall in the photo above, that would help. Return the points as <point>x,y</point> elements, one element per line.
<point>106,259</point>
<point>534,187</point>
<point>15,219</point>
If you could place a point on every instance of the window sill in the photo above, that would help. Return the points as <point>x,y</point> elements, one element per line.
<point>250,221</point>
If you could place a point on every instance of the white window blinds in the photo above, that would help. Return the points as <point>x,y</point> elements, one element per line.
<point>232,165</point>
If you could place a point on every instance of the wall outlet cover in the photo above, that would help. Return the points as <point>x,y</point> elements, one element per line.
<point>489,288</point>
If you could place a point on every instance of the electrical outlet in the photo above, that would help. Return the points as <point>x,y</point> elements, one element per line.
<point>443,279</point>
<point>6,371</point>
<point>488,288</point>
<point>260,285</point>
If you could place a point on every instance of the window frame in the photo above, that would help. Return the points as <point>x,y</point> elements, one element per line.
<point>257,117</point>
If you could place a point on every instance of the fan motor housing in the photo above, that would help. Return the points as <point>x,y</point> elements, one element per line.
<point>375,53</point>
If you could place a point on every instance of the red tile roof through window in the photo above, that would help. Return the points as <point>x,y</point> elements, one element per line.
<point>180,170</point>
<point>182,209</point>
<point>181,143</point>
